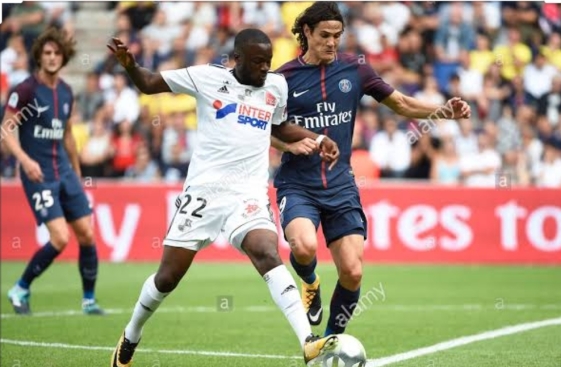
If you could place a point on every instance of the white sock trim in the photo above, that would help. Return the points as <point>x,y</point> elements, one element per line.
<point>152,290</point>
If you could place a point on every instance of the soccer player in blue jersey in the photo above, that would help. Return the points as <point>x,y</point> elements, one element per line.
<point>325,88</point>
<point>39,110</point>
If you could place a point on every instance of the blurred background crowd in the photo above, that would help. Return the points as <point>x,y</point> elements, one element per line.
<point>504,58</point>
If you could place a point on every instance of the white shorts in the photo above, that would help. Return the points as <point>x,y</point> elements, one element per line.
<point>199,220</point>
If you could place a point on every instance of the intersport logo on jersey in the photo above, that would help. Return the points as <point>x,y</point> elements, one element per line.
<point>247,115</point>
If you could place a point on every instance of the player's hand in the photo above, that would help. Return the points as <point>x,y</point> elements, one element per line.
<point>122,53</point>
<point>329,151</point>
<point>32,170</point>
<point>460,109</point>
<point>305,146</point>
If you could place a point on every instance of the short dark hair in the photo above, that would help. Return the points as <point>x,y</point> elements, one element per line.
<point>317,12</point>
<point>250,36</point>
<point>61,38</point>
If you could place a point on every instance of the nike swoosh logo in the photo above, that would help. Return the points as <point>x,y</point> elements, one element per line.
<point>296,95</point>
<point>315,318</point>
<point>40,110</point>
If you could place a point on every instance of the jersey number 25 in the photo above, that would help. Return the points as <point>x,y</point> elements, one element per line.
<point>43,199</point>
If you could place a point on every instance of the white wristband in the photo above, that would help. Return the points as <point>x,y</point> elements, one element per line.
<point>319,139</point>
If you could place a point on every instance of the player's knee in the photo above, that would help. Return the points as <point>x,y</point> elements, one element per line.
<point>351,276</point>
<point>166,281</point>
<point>303,247</point>
<point>86,236</point>
<point>59,239</point>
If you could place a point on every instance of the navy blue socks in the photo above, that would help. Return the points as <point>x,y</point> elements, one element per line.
<point>343,304</point>
<point>88,264</point>
<point>305,272</point>
<point>42,259</point>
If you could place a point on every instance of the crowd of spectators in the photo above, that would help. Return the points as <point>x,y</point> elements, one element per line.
<point>504,58</point>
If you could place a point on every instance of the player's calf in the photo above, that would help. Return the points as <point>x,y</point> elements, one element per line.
<point>260,245</point>
<point>166,280</point>
<point>343,304</point>
<point>265,262</point>
<point>173,267</point>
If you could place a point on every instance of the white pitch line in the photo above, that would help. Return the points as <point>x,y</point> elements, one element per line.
<point>509,330</point>
<point>492,334</point>
<point>377,307</point>
<point>25,343</point>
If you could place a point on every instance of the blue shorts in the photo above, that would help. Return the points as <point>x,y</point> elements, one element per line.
<point>338,210</point>
<point>55,199</point>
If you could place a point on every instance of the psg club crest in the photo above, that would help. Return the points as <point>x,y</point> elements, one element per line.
<point>345,85</point>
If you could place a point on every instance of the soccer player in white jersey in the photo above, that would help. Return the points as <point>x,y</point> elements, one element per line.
<point>227,184</point>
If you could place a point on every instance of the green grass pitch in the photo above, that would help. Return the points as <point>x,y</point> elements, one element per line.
<point>226,308</point>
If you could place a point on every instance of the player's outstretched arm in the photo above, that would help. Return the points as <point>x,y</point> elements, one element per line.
<point>291,133</point>
<point>10,125</point>
<point>455,108</point>
<point>146,81</point>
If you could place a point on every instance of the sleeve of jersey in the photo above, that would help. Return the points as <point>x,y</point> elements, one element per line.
<point>183,80</point>
<point>20,98</point>
<point>373,84</point>
<point>280,114</point>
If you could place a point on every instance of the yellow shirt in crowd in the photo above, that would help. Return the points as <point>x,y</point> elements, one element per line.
<point>552,56</point>
<point>481,60</point>
<point>504,56</point>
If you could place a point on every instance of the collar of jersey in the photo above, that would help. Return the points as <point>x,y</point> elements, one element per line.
<point>304,63</point>
<point>237,81</point>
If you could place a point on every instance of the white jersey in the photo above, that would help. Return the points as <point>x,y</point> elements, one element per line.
<point>234,126</point>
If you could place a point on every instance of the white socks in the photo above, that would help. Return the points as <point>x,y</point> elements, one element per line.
<point>285,294</point>
<point>281,285</point>
<point>149,300</point>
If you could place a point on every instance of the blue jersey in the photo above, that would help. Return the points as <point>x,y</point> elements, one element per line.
<point>325,99</point>
<point>43,114</point>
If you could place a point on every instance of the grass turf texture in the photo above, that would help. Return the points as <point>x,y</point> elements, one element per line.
<point>222,308</point>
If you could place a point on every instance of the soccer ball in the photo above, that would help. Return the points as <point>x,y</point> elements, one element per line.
<point>348,352</point>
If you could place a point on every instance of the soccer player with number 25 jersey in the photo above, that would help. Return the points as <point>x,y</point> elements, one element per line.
<point>39,110</point>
